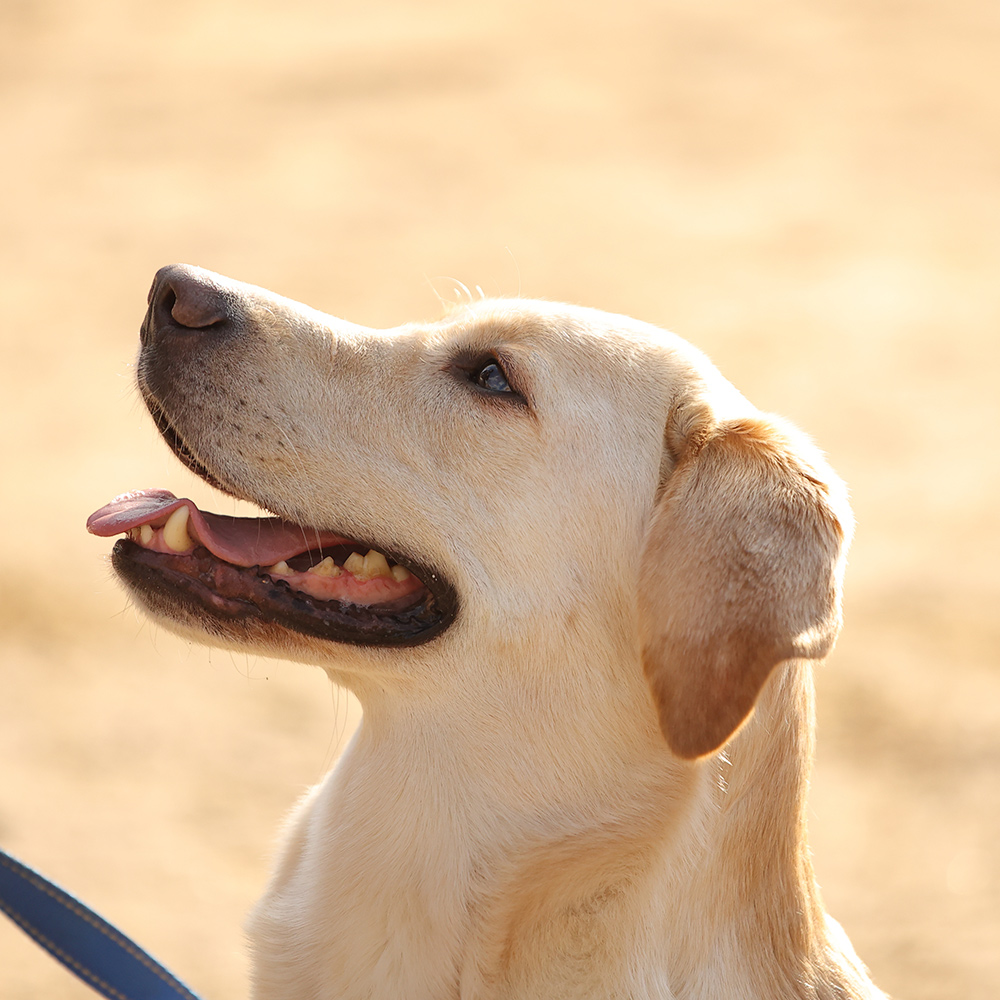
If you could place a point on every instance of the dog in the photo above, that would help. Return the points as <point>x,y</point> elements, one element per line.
<point>575,581</point>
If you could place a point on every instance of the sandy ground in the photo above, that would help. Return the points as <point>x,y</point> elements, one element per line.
<point>808,191</point>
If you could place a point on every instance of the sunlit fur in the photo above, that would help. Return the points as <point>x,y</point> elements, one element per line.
<point>562,795</point>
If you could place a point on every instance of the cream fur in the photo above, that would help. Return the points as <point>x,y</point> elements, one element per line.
<point>593,784</point>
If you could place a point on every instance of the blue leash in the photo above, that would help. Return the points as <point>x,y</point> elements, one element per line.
<point>85,943</point>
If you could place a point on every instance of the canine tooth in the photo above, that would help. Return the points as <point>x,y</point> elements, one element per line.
<point>400,573</point>
<point>355,563</point>
<point>175,533</point>
<point>326,568</point>
<point>146,533</point>
<point>280,568</point>
<point>376,565</point>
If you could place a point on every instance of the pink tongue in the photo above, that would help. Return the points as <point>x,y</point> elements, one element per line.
<point>243,541</point>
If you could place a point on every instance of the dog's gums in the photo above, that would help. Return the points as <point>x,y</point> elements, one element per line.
<point>311,581</point>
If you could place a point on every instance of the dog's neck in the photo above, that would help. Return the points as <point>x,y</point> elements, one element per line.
<point>741,914</point>
<point>485,867</point>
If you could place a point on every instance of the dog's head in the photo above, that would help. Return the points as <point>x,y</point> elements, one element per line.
<point>514,473</point>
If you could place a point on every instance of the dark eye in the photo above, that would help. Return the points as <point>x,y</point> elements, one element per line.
<point>491,376</point>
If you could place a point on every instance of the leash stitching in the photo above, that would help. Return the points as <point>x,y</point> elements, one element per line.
<point>81,970</point>
<point>94,921</point>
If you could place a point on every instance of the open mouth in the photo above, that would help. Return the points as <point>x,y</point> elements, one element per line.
<point>231,569</point>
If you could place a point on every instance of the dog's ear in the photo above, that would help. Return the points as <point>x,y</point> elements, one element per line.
<point>741,570</point>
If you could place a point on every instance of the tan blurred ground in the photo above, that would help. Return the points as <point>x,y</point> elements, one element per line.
<point>808,191</point>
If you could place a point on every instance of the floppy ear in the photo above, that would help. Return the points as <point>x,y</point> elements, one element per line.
<point>741,570</point>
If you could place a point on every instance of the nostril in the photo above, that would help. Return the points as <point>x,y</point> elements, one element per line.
<point>167,301</point>
<point>196,305</point>
<point>181,297</point>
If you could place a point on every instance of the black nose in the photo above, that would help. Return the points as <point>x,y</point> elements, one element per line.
<point>184,296</point>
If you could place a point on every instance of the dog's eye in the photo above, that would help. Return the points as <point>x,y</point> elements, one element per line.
<point>491,376</point>
<point>487,375</point>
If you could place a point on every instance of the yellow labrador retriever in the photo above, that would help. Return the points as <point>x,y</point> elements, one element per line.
<point>575,580</point>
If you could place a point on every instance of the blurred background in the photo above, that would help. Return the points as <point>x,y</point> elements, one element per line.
<point>808,191</point>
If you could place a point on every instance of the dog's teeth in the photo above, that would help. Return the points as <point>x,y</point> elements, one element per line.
<point>175,533</point>
<point>400,573</point>
<point>376,565</point>
<point>326,568</point>
<point>280,568</point>
<point>142,534</point>
<point>367,567</point>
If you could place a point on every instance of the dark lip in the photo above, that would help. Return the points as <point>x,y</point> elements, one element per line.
<point>165,585</point>
<point>191,586</point>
